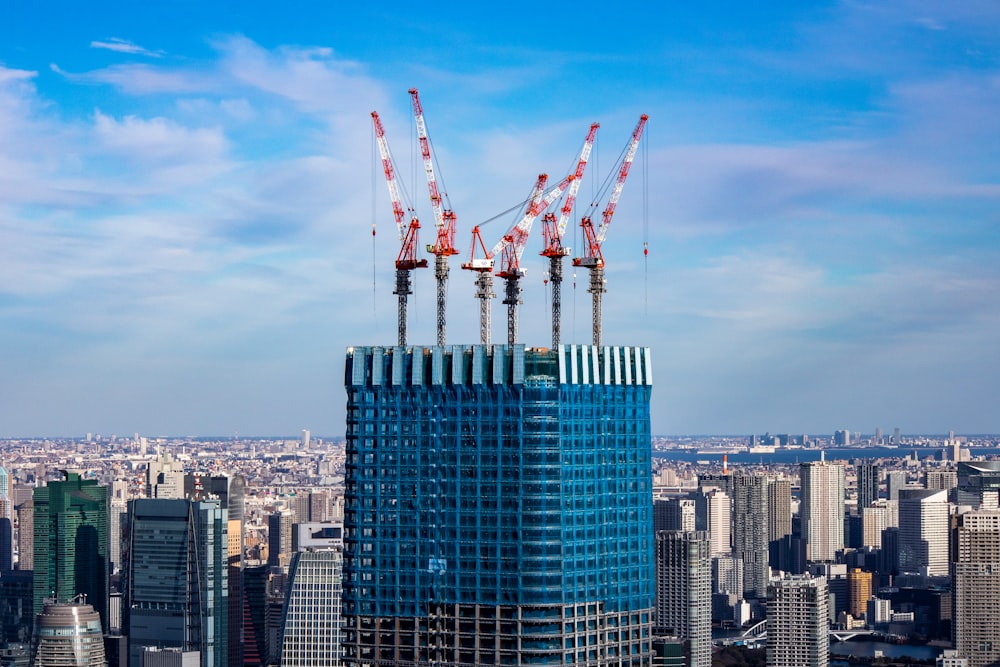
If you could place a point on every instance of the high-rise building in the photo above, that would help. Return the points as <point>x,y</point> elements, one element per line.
<point>6,523</point>
<point>279,538</point>
<point>868,482</point>
<point>894,481</point>
<point>797,622</point>
<point>713,514</point>
<point>941,479</point>
<point>71,543</point>
<point>176,588</point>
<point>26,535</point>
<point>923,531</point>
<point>311,627</point>
<point>978,483</point>
<point>876,518</point>
<point>860,584</point>
<point>165,477</point>
<point>727,575</point>
<point>684,591</point>
<point>498,505</point>
<point>68,634</point>
<point>17,614</point>
<point>976,587</point>
<point>674,514</point>
<point>842,438</point>
<point>117,507</point>
<point>779,509</point>
<point>750,531</point>
<point>822,509</point>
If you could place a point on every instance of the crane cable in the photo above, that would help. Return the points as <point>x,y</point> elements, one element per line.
<point>374,254</point>
<point>645,221</point>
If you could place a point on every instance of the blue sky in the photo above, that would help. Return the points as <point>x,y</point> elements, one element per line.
<point>187,194</point>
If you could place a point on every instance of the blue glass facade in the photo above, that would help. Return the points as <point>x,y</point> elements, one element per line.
<point>498,505</point>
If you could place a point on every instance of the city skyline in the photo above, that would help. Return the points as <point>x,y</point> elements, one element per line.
<point>187,196</point>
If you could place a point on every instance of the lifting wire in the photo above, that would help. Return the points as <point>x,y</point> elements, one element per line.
<point>374,254</point>
<point>645,223</point>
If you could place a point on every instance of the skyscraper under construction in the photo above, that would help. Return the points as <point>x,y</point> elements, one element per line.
<point>498,506</point>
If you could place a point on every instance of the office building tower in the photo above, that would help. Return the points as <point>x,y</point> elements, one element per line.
<point>860,584</point>
<point>868,482</point>
<point>723,482</point>
<point>923,532</point>
<point>117,507</point>
<point>255,649</point>
<point>17,612</point>
<point>684,591</point>
<point>673,514</point>
<point>71,542</point>
<point>875,519</point>
<point>68,634</point>
<point>279,538</point>
<point>508,491</point>
<point>797,622</point>
<point>165,477</point>
<point>26,535</point>
<point>311,627</point>
<point>941,479</point>
<point>176,588</point>
<point>878,437</point>
<point>978,484</point>
<point>750,531</point>
<point>822,509</point>
<point>713,514</point>
<point>6,523</point>
<point>317,535</point>
<point>976,587</point>
<point>842,438</point>
<point>895,436</point>
<point>894,481</point>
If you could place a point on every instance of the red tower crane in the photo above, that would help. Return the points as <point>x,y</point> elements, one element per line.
<point>553,231</point>
<point>407,260</point>
<point>594,259</point>
<point>444,219</point>
<point>511,249</point>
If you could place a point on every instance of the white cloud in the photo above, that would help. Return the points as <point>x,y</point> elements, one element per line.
<point>124,46</point>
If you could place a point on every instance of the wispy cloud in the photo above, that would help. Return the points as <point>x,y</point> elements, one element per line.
<point>124,46</point>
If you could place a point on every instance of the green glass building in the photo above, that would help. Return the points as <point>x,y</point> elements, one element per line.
<point>71,543</point>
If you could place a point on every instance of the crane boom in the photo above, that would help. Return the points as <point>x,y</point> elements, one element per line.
<point>594,259</point>
<point>553,231</point>
<point>609,211</point>
<point>444,219</point>
<point>518,235</point>
<point>407,259</point>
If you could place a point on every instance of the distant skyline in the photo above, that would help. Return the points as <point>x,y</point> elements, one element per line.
<point>187,194</point>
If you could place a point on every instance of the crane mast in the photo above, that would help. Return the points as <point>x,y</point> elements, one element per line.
<point>553,232</point>
<point>594,259</point>
<point>444,220</point>
<point>407,260</point>
<point>511,247</point>
<point>510,269</point>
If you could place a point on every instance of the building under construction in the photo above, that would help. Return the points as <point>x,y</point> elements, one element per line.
<point>498,503</point>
